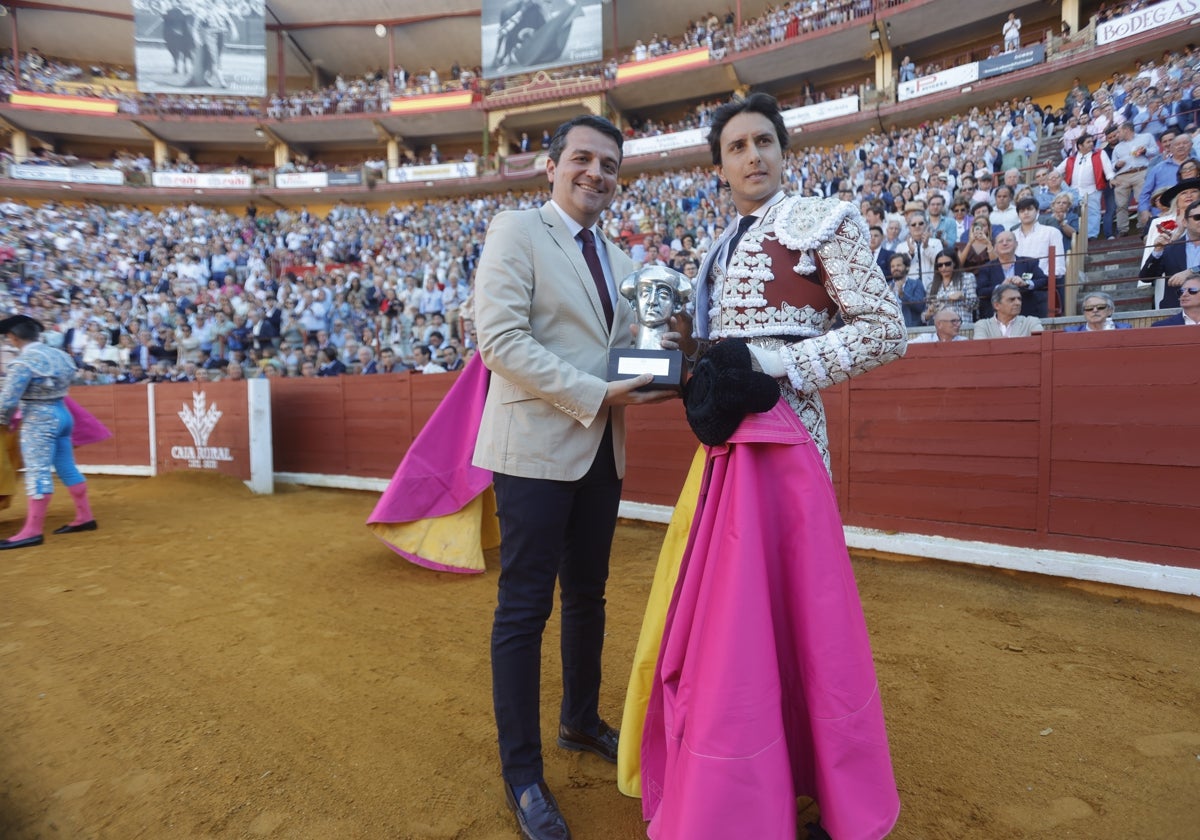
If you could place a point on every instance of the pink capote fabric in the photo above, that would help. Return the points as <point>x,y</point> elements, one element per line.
<point>87,428</point>
<point>436,477</point>
<point>765,689</point>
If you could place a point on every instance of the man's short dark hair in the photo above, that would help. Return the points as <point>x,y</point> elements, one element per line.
<point>757,103</point>
<point>559,141</point>
<point>423,349</point>
<point>1026,203</point>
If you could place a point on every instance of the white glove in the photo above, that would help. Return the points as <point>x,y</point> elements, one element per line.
<point>769,361</point>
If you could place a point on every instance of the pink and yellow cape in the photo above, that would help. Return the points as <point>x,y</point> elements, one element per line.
<point>761,685</point>
<point>439,510</point>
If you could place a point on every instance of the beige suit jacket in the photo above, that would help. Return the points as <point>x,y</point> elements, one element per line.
<point>542,333</point>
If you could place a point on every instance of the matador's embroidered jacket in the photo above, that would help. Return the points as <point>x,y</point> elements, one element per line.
<point>807,262</point>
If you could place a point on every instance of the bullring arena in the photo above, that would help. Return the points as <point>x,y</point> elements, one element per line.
<point>234,654</point>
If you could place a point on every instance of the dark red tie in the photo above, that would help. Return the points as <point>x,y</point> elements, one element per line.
<point>593,261</point>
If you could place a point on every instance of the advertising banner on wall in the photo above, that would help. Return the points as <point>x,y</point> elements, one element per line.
<point>530,163</point>
<point>433,172</point>
<point>950,79</point>
<point>1145,19</point>
<point>350,178</point>
<point>661,144</point>
<point>200,46</point>
<point>300,180</point>
<point>1010,61</point>
<point>203,180</point>
<point>66,174</point>
<point>520,36</point>
<point>808,114</point>
<point>316,180</point>
<point>222,427</point>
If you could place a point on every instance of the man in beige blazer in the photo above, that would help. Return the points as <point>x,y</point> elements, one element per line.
<point>553,435</point>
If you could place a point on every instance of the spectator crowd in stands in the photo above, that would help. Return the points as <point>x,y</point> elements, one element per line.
<point>198,293</point>
<point>192,292</point>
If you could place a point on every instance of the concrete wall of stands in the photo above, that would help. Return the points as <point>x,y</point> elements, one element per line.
<point>1085,443</point>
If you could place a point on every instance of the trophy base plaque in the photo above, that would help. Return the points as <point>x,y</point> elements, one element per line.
<point>666,365</point>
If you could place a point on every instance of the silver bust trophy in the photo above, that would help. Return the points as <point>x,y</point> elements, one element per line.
<point>657,293</point>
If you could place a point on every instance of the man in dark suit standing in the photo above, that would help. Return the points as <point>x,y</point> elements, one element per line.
<point>1174,255</point>
<point>883,257</point>
<point>274,314</point>
<point>1025,274</point>
<point>264,331</point>
<point>553,435</point>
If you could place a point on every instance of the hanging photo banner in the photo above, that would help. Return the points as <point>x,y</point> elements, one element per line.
<point>520,36</point>
<point>209,47</point>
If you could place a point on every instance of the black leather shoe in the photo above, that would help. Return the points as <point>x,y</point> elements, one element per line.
<point>816,832</point>
<point>603,743</point>
<point>5,545</point>
<point>537,813</point>
<point>90,525</point>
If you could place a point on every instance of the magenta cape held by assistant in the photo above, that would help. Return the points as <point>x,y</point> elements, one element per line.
<point>439,511</point>
<point>87,428</point>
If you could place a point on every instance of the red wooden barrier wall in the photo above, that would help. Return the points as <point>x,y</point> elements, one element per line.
<point>125,410</point>
<point>1070,441</point>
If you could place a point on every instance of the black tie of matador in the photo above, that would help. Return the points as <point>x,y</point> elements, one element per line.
<point>593,262</point>
<point>743,226</point>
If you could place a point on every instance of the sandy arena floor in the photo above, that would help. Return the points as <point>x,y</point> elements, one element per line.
<point>214,664</point>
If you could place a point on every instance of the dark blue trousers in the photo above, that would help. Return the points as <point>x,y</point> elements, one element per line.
<point>550,530</point>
